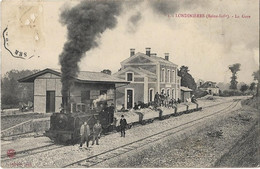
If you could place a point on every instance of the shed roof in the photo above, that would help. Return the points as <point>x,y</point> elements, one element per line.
<point>83,76</point>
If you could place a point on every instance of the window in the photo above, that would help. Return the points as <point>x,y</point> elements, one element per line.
<point>163,75</point>
<point>168,92</point>
<point>173,76</point>
<point>85,95</point>
<point>103,92</point>
<point>169,75</point>
<point>129,76</point>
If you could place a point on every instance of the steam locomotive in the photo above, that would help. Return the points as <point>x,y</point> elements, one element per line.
<point>65,126</point>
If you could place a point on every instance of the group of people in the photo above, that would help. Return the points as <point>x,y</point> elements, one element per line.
<point>97,129</point>
<point>164,100</point>
<point>85,133</point>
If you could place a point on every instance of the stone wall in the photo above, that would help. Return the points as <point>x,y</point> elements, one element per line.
<point>35,125</point>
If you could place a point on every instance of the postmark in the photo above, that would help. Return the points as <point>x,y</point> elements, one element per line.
<point>11,153</point>
<point>22,35</point>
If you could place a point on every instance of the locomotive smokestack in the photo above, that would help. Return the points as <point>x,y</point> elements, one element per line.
<point>66,103</point>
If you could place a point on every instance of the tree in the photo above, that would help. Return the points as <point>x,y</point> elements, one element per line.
<point>234,69</point>
<point>252,86</point>
<point>107,71</point>
<point>13,92</point>
<point>244,88</point>
<point>256,76</point>
<point>186,79</point>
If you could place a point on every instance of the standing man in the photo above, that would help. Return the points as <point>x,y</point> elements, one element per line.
<point>156,99</point>
<point>84,134</point>
<point>97,129</point>
<point>123,125</point>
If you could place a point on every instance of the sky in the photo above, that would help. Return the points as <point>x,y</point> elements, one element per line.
<point>206,45</point>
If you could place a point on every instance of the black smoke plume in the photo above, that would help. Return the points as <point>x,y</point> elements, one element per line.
<point>133,22</point>
<point>165,7</point>
<point>169,7</point>
<point>85,24</point>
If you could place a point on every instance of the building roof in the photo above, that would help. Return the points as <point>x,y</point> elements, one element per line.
<point>138,70</point>
<point>209,84</point>
<point>186,89</point>
<point>154,59</point>
<point>83,76</point>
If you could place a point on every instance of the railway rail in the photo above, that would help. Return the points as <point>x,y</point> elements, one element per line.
<point>32,151</point>
<point>109,154</point>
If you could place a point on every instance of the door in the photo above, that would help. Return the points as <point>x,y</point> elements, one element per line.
<point>50,101</point>
<point>151,95</point>
<point>129,101</point>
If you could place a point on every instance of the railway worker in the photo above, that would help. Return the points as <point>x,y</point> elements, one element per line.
<point>111,111</point>
<point>123,125</point>
<point>84,134</point>
<point>123,107</point>
<point>167,97</point>
<point>157,99</point>
<point>162,99</point>
<point>97,129</point>
<point>135,106</point>
<point>61,108</point>
<point>193,99</point>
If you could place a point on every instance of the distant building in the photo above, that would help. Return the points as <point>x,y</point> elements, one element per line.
<point>147,74</point>
<point>87,87</point>
<point>200,83</point>
<point>210,87</point>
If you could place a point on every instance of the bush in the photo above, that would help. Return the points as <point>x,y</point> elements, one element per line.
<point>9,101</point>
<point>227,93</point>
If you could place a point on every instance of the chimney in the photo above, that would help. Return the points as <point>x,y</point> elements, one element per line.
<point>166,56</point>
<point>148,51</point>
<point>132,52</point>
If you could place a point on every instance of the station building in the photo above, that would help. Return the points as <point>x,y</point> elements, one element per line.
<point>147,74</point>
<point>87,87</point>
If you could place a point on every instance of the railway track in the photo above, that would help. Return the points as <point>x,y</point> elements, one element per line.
<point>32,151</point>
<point>109,154</point>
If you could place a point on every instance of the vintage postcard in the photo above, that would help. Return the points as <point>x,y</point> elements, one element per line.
<point>130,83</point>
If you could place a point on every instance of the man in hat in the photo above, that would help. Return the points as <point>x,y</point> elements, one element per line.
<point>97,129</point>
<point>193,99</point>
<point>84,134</point>
<point>123,125</point>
